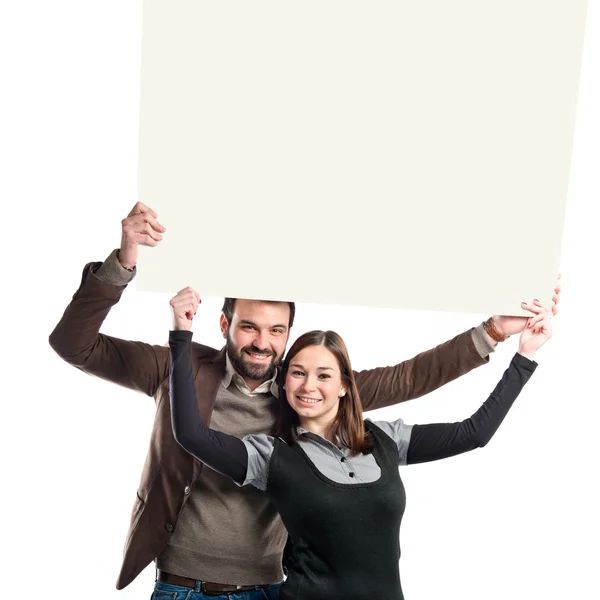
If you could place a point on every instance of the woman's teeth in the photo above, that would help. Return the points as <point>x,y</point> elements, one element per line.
<point>308,400</point>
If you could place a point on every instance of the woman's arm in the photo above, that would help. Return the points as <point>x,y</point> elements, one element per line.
<point>422,443</point>
<point>224,453</point>
<point>441,440</point>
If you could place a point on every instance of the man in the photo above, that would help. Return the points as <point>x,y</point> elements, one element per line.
<point>202,530</point>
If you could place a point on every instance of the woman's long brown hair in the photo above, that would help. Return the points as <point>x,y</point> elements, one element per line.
<point>348,427</point>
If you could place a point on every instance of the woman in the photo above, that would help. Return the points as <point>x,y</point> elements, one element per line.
<point>332,476</point>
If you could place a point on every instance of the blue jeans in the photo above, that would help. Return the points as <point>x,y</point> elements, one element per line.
<point>165,591</point>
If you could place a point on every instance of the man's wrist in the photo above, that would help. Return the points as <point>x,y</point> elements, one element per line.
<point>125,266</point>
<point>111,271</point>
<point>484,344</point>
<point>494,329</point>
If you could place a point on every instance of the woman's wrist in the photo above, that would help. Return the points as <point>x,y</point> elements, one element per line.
<point>527,353</point>
<point>182,326</point>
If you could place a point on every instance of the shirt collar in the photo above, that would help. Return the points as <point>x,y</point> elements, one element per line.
<point>298,432</point>
<point>232,376</point>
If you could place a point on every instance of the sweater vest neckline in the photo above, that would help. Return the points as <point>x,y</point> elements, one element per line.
<point>376,454</point>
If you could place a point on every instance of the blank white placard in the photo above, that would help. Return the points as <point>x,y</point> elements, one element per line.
<point>385,153</point>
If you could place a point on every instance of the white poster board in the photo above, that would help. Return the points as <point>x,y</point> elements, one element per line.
<point>385,153</point>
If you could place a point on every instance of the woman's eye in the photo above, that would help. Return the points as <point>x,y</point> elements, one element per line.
<point>297,373</point>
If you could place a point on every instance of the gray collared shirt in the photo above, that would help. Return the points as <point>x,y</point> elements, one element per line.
<point>333,461</point>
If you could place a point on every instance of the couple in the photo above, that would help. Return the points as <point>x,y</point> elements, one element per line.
<point>203,531</point>
<point>332,477</point>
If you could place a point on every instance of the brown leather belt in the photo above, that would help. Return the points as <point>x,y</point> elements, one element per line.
<point>205,586</point>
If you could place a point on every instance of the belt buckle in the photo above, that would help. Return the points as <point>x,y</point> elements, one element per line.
<point>205,591</point>
<point>219,592</point>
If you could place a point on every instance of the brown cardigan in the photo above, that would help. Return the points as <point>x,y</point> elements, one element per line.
<point>169,471</point>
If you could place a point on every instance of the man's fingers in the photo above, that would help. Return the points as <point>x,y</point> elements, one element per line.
<point>146,240</point>
<point>149,230</point>
<point>135,221</point>
<point>140,207</point>
<point>142,237</point>
<point>555,301</point>
<point>141,218</point>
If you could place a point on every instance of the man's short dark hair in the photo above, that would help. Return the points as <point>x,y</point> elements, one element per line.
<point>229,307</point>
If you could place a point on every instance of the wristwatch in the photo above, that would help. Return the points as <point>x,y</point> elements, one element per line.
<point>492,331</point>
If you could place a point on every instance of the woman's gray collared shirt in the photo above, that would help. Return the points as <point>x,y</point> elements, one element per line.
<point>334,462</point>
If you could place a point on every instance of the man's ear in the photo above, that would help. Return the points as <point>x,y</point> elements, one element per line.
<point>224,325</point>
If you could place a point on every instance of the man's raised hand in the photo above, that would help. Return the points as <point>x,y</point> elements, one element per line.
<point>139,227</point>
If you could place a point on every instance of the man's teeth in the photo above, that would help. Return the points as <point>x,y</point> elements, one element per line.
<point>309,400</point>
<point>253,355</point>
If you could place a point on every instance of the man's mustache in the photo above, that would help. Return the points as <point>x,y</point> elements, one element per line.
<point>256,350</point>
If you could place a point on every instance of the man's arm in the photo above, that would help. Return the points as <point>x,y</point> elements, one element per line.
<point>427,371</point>
<point>77,338</point>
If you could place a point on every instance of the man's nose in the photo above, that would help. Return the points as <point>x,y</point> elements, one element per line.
<point>261,341</point>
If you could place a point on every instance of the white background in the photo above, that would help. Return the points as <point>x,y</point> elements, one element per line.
<point>518,519</point>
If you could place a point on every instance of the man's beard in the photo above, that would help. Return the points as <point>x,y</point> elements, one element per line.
<point>246,368</point>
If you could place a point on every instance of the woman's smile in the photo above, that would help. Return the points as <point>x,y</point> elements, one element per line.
<point>308,401</point>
